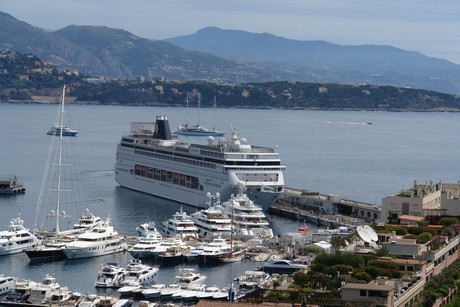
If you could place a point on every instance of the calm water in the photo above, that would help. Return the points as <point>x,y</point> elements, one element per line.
<point>330,152</point>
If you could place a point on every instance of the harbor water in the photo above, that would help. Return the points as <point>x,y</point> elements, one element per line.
<point>358,155</point>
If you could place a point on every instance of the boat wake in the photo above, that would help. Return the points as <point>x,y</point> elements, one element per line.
<point>348,123</point>
<point>97,174</point>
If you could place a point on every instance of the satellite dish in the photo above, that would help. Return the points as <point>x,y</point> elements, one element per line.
<point>362,233</point>
<point>371,232</point>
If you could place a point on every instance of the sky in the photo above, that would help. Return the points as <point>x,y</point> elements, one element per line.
<point>427,26</point>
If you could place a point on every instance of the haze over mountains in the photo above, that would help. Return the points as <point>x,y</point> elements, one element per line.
<point>227,56</point>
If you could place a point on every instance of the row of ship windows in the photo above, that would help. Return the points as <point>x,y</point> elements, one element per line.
<point>103,247</point>
<point>18,242</point>
<point>175,159</point>
<point>167,176</point>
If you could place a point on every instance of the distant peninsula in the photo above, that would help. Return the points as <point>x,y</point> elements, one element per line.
<point>28,79</point>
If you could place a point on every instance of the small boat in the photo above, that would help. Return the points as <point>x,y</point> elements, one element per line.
<point>137,273</point>
<point>198,130</point>
<point>144,248</point>
<point>304,229</point>
<point>109,275</point>
<point>17,238</point>
<point>21,291</point>
<point>147,304</point>
<point>215,251</point>
<point>89,300</point>
<point>43,291</point>
<point>282,266</point>
<point>129,289</point>
<point>213,292</point>
<point>234,257</point>
<point>154,291</point>
<point>188,277</point>
<point>250,281</point>
<point>7,284</point>
<point>66,131</point>
<point>123,303</point>
<point>170,290</point>
<point>148,230</point>
<point>173,255</point>
<point>10,186</point>
<point>106,301</point>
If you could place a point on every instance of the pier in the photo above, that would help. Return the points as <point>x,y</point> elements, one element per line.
<point>324,210</point>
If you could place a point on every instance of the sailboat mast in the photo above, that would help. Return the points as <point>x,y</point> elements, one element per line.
<point>199,102</point>
<point>58,197</point>
<point>214,127</point>
<point>187,110</point>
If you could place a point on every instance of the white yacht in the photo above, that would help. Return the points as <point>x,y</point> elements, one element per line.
<point>180,225</point>
<point>17,238</point>
<point>153,291</point>
<point>109,275</point>
<point>249,220</point>
<point>215,251</point>
<point>148,230</point>
<point>87,221</point>
<point>137,273</point>
<point>7,284</point>
<point>101,240</point>
<point>212,223</point>
<point>152,160</point>
<point>43,291</point>
<point>188,277</point>
<point>144,248</point>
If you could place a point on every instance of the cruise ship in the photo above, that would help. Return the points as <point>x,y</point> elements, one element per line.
<point>152,160</point>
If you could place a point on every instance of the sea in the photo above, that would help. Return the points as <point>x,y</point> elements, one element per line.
<point>362,156</point>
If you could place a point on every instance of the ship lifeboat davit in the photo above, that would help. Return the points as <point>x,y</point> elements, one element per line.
<point>304,229</point>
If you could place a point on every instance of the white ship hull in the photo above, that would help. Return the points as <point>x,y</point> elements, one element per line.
<point>185,173</point>
<point>93,251</point>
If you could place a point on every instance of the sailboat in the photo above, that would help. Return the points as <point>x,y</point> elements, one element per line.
<point>198,130</point>
<point>234,255</point>
<point>54,241</point>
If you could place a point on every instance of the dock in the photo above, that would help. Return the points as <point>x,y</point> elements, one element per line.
<point>324,210</point>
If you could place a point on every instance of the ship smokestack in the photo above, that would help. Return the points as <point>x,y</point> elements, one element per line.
<point>162,130</point>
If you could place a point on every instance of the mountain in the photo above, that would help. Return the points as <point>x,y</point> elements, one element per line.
<point>228,56</point>
<point>115,53</point>
<point>352,64</point>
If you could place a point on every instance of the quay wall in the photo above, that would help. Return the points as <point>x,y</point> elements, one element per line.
<point>308,216</point>
<point>324,210</point>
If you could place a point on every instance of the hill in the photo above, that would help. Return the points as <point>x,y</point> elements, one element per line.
<point>226,56</point>
<point>26,78</point>
<point>329,62</point>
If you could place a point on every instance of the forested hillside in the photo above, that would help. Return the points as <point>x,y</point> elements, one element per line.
<point>26,78</point>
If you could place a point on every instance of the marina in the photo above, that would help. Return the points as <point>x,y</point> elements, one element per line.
<point>128,208</point>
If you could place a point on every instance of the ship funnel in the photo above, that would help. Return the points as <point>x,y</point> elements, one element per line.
<point>162,130</point>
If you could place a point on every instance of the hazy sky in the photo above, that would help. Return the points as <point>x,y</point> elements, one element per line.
<point>428,26</point>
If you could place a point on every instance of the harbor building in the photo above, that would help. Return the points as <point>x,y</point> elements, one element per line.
<point>422,200</point>
<point>328,204</point>
<point>417,269</point>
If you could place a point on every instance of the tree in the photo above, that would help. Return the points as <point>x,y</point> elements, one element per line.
<point>446,221</point>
